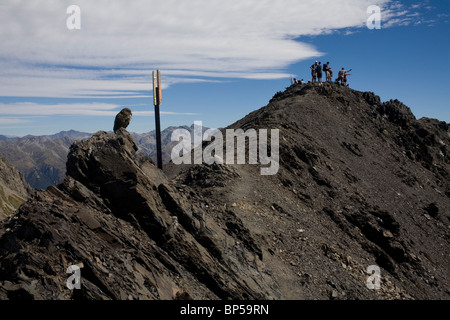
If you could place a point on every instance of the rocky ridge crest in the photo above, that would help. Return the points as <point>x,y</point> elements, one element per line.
<point>361,183</point>
<point>134,234</point>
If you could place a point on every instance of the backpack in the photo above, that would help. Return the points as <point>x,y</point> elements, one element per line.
<point>325,68</point>
<point>318,69</point>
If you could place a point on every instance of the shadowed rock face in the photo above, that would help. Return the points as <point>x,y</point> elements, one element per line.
<point>361,183</point>
<point>134,238</point>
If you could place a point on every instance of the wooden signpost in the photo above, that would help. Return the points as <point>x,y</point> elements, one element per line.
<point>157,98</point>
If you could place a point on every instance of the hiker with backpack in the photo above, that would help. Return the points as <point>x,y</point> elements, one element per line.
<point>330,74</point>
<point>319,72</point>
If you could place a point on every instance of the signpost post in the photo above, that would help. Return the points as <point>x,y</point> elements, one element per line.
<point>157,98</point>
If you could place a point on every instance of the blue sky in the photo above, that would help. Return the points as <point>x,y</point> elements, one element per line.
<point>219,60</point>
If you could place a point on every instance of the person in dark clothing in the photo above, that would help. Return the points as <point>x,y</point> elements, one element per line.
<point>319,72</point>
<point>327,71</point>
<point>313,72</point>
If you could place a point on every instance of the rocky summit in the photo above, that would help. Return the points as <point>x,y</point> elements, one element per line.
<point>359,209</point>
<point>134,234</point>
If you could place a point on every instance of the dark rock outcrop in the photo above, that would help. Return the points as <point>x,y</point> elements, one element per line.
<point>134,239</point>
<point>361,183</point>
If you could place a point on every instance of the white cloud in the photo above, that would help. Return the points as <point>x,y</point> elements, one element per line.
<point>9,121</point>
<point>73,109</point>
<point>120,42</point>
<point>398,14</point>
<point>35,109</point>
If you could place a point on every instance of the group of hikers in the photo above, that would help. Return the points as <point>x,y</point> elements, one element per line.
<point>317,72</point>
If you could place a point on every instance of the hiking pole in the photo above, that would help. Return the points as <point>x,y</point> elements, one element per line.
<point>157,97</point>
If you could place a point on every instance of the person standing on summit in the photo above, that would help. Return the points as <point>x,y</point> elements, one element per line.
<point>327,71</point>
<point>313,72</point>
<point>319,72</point>
<point>342,76</point>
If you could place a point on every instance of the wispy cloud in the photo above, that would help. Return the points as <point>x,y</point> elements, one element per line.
<point>73,109</point>
<point>121,42</point>
<point>398,14</point>
<point>12,121</point>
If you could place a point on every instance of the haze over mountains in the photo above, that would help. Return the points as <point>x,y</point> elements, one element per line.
<point>361,183</point>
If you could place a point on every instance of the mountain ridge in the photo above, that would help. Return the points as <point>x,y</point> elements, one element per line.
<point>348,162</point>
<point>361,184</point>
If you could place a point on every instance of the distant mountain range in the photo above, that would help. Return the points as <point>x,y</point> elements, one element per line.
<point>42,159</point>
